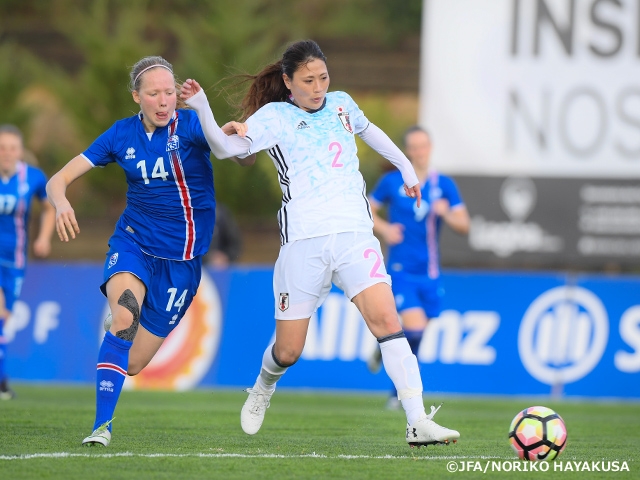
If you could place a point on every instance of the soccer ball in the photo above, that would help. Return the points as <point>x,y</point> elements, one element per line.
<point>538,433</point>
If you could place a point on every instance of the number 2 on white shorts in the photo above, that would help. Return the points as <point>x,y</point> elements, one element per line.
<point>374,273</point>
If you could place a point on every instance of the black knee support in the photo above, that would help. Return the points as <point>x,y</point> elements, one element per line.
<point>393,336</point>
<point>128,301</point>
<point>278,362</point>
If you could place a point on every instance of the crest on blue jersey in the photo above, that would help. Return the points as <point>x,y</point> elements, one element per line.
<point>344,119</point>
<point>172,143</point>
<point>113,260</point>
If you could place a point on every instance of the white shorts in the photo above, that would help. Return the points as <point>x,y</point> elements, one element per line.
<point>306,268</point>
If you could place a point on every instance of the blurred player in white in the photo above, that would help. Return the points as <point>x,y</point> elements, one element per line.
<point>325,220</point>
<point>412,233</point>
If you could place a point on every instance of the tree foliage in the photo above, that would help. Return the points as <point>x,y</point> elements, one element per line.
<point>207,40</point>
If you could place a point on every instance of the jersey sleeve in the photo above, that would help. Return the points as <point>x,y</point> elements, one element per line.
<point>357,118</point>
<point>40,183</point>
<point>265,128</point>
<point>450,192</point>
<point>101,151</point>
<point>382,191</point>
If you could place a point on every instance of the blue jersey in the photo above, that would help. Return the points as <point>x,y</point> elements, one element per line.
<point>170,210</point>
<point>15,206</point>
<point>419,252</point>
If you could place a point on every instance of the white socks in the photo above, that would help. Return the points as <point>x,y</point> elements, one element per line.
<point>402,367</point>
<point>270,372</point>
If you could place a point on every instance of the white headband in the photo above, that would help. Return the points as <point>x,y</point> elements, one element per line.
<point>149,68</point>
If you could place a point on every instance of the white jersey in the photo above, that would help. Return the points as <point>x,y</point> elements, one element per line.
<point>314,153</point>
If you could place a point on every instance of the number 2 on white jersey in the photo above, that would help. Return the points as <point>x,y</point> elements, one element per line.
<point>158,170</point>
<point>336,162</point>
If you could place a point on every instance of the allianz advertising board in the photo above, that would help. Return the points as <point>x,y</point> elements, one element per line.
<point>499,333</point>
<point>534,108</point>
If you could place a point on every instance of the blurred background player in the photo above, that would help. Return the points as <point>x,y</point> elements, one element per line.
<point>325,221</point>
<point>411,232</point>
<point>226,243</point>
<point>20,183</point>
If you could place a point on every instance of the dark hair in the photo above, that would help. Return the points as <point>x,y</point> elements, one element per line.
<point>414,129</point>
<point>268,86</point>
<point>12,129</point>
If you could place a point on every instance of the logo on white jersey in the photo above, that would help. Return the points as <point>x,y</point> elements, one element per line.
<point>283,303</point>
<point>131,153</point>
<point>302,125</point>
<point>172,143</point>
<point>344,119</point>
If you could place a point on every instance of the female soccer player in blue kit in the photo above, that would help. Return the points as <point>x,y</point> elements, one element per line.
<point>411,232</point>
<point>20,183</point>
<point>325,220</point>
<point>152,269</point>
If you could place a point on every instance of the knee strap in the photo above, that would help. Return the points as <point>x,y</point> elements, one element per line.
<point>128,301</point>
<point>278,362</point>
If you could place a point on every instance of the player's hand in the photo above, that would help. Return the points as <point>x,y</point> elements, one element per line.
<point>393,234</point>
<point>235,127</point>
<point>41,247</point>
<point>414,192</point>
<point>66,223</point>
<point>189,88</point>
<point>441,207</point>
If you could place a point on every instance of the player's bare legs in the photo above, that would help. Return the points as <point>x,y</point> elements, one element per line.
<point>277,358</point>
<point>377,306</point>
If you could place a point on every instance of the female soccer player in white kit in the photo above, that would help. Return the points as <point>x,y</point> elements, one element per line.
<point>325,220</point>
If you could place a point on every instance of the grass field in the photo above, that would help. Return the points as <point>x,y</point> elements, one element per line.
<point>305,435</point>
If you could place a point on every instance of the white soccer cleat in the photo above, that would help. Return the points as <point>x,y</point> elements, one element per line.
<point>5,391</point>
<point>107,323</point>
<point>100,436</point>
<point>254,409</point>
<point>393,404</point>
<point>427,432</point>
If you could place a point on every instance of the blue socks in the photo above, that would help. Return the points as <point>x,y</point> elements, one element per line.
<point>3,349</point>
<point>113,360</point>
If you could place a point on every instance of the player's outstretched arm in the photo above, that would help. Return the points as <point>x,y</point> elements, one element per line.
<point>222,146</point>
<point>391,233</point>
<point>42,243</point>
<point>66,223</point>
<point>240,129</point>
<point>381,143</point>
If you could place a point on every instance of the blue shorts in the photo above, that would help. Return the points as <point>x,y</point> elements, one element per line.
<point>417,291</point>
<point>171,284</point>
<point>11,284</point>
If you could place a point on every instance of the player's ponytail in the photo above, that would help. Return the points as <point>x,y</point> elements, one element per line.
<point>268,85</point>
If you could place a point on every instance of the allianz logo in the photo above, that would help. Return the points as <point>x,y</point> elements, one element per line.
<point>564,334</point>
<point>338,332</point>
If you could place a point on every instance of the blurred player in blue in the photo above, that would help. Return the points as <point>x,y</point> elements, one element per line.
<point>412,234</point>
<point>19,185</point>
<point>325,221</point>
<point>153,266</point>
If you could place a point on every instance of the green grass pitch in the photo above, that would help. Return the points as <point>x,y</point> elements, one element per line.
<point>167,435</point>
